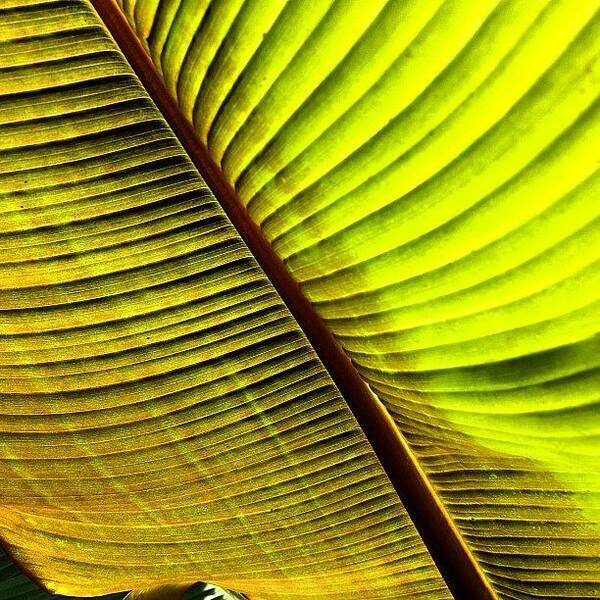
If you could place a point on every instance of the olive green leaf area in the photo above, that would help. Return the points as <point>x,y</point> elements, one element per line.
<point>428,171</point>
<point>163,420</point>
<point>14,585</point>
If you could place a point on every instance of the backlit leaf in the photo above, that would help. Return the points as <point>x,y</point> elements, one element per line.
<point>429,173</point>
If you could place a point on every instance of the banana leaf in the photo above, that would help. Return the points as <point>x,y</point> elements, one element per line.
<point>424,173</point>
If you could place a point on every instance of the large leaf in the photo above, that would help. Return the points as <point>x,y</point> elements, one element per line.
<point>429,173</point>
<point>163,418</point>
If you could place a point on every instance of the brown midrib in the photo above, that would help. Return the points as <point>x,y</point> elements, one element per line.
<point>449,551</point>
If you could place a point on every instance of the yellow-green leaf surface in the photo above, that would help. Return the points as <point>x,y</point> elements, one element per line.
<point>163,419</point>
<point>14,585</point>
<point>429,173</point>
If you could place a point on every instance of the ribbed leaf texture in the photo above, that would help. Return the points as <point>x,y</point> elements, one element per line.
<point>428,172</point>
<point>14,585</point>
<point>164,419</point>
